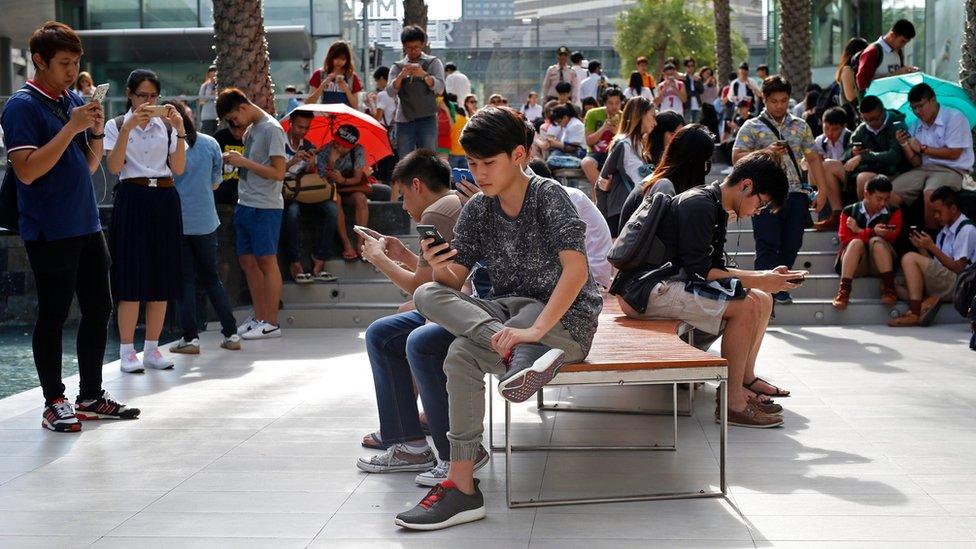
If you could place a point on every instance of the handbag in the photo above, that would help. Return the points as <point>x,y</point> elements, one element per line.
<point>309,188</point>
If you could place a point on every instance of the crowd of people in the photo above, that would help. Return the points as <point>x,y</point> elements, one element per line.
<point>513,270</point>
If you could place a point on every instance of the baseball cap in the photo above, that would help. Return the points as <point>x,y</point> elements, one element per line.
<point>347,136</point>
<point>563,50</point>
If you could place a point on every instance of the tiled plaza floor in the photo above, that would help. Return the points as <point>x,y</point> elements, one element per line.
<point>258,449</point>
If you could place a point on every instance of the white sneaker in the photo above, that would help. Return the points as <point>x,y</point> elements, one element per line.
<point>247,326</point>
<point>263,330</point>
<point>131,364</point>
<point>156,360</point>
<point>438,473</point>
<point>232,343</point>
<point>185,347</point>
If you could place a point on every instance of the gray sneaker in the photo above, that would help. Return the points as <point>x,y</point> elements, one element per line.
<point>397,459</point>
<point>185,347</point>
<point>438,474</point>
<point>444,506</point>
<point>530,367</point>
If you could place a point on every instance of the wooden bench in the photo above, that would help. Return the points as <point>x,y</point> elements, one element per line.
<point>626,351</point>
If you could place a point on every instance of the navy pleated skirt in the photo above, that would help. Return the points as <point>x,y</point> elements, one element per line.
<point>146,233</point>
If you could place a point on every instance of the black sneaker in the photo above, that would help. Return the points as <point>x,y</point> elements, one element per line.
<point>783,298</point>
<point>59,417</point>
<point>444,506</point>
<point>530,367</point>
<point>105,407</point>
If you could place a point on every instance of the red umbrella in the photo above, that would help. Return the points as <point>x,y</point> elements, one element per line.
<point>328,118</point>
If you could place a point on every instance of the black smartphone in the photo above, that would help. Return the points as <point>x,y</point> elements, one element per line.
<point>430,231</point>
<point>797,281</point>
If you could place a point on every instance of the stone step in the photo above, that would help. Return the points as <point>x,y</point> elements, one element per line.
<point>343,315</point>
<point>815,262</point>
<point>820,312</point>
<point>366,290</point>
<point>743,241</point>
<point>824,286</point>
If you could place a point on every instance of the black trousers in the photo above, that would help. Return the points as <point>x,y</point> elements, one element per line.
<point>63,269</point>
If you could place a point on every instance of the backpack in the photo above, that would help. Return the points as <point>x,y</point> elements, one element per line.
<point>829,99</point>
<point>966,201</point>
<point>638,244</point>
<point>964,293</point>
<point>856,59</point>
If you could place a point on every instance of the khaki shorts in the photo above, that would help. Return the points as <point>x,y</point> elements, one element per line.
<point>669,300</point>
<point>938,279</point>
<point>911,184</point>
<point>866,266</point>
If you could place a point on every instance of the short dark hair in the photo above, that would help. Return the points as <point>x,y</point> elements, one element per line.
<point>576,57</point>
<point>425,165</point>
<point>564,87</point>
<point>591,101</point>
<point>492,131</point>
<point>381,72</point>
<point>450,66</point>
<point>763,67</point>
<point>612,91</point>
<point>945,194</point>
<point>904,27</point>
<point>766,174</point>
<point>53,37</point>
<point>562,111</point>
<point>412,33</point>
<point>689,60</point>
<point>540,168</point>
<point>295,114</point>
<point>775,84</point>
<point>836,116</point>
<point>879,183</point>
<point>871,103</point>
<point>229,100</point>
<point>594,65</point>
<point>920,92</point>
<point>744,65</point>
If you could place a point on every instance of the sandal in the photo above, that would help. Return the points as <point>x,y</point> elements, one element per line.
<point>374,442</point>
<point>302,278</point>
<point>780,393</point>
<point>325,276</point>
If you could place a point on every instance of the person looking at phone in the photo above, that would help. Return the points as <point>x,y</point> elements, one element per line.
<point>868,231</point>
<point>874,147</point>
<point>257,218</point>
<point>300,160</point>
<point>343,161</point>
<point>336,81</point>
<point>208,94</point>
<point>402,348</point>
<point>416,80</point>
<point>779,234</point>
<point>671,93</point>
<point>693,231</point>
<point>146,147</point>
<point>939,147</point>
<point>567,141</point>
<point>831,146</point>
<point>54,143</point>
<point>599,127</point>
<point>932,270</point>
<point>529,235</point>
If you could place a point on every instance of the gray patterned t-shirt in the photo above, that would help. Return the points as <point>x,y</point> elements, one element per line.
<point>522,253</point>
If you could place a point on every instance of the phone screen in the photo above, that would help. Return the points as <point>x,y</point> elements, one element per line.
<point>430,231</point>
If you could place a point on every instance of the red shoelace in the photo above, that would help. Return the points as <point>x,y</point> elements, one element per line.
<point>436,494</point>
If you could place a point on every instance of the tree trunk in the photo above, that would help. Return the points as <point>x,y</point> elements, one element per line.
<point>967,65</point>
<point>723,41</point>
<point>242,50</point>
<point>794,44</point>
<point>415,13</point>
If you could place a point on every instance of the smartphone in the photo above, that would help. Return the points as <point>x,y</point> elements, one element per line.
<point>780,143</point>
<point>458,174</point>
<point>100,92</point>
<point>366,232</point>
<point>857,144</point>
<point>430,231</point>
<point>797,281</point>
<point>157,110</point>
<point>914,228</point>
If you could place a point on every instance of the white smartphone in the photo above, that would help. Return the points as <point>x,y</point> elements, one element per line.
<point>366,232</point>
<point>100,92</point>
<point>157,110</point>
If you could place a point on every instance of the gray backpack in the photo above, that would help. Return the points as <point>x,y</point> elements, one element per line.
<point>638,244</point>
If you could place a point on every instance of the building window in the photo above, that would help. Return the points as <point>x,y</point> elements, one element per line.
<point>113,14</point>
<point>170,13</point>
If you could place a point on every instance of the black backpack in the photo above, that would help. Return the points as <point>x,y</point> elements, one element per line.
<point>638,244</point>
<point>964,293</point>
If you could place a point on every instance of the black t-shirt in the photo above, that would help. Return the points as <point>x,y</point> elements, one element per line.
<point>226,193</point>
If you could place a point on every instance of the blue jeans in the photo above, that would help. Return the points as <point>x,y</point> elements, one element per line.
<point>420,133</point>
<point>398,346</point>
<point>328,213</point>
<point>779,236</point>
<point>200,263</point>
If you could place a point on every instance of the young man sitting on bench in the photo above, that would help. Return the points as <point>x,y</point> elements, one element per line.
<point>527,232</point>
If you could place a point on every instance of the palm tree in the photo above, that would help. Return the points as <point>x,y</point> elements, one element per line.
<point>967,65</point>
<point>415,13</point>
<point>723,41</point>
<point>794,44</point>
<point>242,50</point>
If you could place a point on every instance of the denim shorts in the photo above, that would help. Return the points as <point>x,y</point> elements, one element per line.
<point>257,230</point>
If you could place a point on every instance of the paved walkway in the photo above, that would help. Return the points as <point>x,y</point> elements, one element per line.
<point>257,449</point>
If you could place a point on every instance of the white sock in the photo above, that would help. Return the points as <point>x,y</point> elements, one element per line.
<point>416,446</point>
<point>126,349</point>
<point>150,346</point>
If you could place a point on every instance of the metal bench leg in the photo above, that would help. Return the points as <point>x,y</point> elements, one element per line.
<point>564,407</point>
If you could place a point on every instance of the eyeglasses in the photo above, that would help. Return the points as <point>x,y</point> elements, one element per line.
<point>918,106</point>
<point>147,96</point>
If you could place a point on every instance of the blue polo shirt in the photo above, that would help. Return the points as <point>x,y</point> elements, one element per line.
<point>61,203</point>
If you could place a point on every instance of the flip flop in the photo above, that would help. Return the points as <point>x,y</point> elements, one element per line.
<point>780,393</point>
<point>325,276</point>
<point>374,442</point>
<point>303,278</point>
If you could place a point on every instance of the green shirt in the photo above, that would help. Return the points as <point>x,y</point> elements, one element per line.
<point>595,118</point>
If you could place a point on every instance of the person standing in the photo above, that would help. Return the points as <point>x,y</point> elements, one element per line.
<point>85,86</point>
<point>204,169</point>
<point>230,138</point>
<point>336,81</point>
<point>559,73</point>
<point>743,89</point>
<point>695,88</point>
<point>54,144</point>
<point>208,94</point>
<point>257,219</point>
<point>671,92</point>
<point>456,82</point>
<point>146,150</point>
<point>647,79</point>
<point>886,56</point>
<point>416,80</point>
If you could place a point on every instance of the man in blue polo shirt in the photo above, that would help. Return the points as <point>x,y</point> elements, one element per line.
<point>53,142</point>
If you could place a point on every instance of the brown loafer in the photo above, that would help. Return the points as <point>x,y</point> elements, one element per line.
<point>767,406</point>
<point>905,320</point>
<point>753,418</point>
<point>842,298</point>
<point>888,296</point>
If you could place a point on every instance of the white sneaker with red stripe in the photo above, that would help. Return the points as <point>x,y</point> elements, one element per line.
<point>155,360</point>
<point>59,417</point>
<point>131,364</point>
<point>105,407</point>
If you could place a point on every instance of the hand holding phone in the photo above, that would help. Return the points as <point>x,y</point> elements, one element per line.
<point>366,232</point>
<point>430,232</point>
<point>157,111</point>
<point>100,92</point>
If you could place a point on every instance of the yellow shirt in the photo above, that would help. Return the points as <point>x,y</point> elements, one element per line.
<point>459,121</point>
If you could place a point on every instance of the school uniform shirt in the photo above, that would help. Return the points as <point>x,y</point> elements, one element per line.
<point>831,150</point>
<point>959,239</point>
<point>146,154</point>
<point>590,86</point>
<point>574,132</point>
<point>598,239</point>
<point>388,105</point>
<point>646,93</point>
<point>867,222</point>
<point>61,203</point>
<point>950,129</point>
<point>556,74</point>
<point>204,169</point>
<point>532,113</point>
